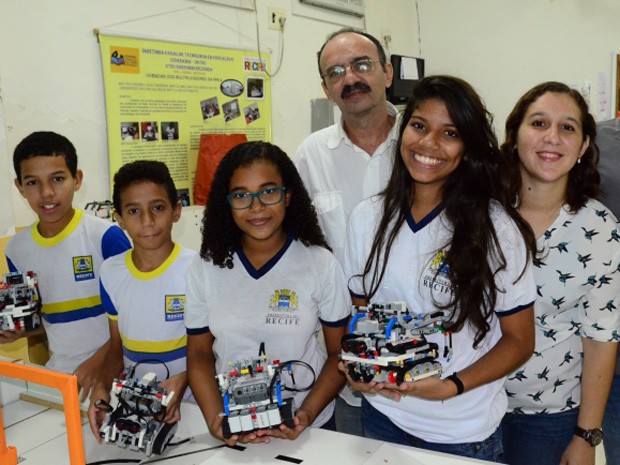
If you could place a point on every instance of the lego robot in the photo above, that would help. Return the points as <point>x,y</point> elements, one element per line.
<point>101,209</point>
<point>135,422</point>
<point>19,302</point>
<point>252,396</point>
<point>386,343</point>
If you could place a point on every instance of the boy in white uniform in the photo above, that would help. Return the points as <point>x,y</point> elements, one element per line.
<point>143,290</point>
<point>65,248</point>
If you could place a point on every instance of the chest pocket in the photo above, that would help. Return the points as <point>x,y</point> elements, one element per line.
<point>332,217</point>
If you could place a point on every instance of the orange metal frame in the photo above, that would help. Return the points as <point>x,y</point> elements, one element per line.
<point>68,386</point>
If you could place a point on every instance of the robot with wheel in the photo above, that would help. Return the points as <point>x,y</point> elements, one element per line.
<point>19,302</point>
<point>386,343</point>
<point>252,395</point>
<point>136,421</point>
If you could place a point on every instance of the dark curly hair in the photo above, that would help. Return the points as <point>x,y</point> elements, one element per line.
<point>583,179</point>
<point>221,237</point>
<point>139,171</point>
<point>48,144</point>
<point>467,193</point>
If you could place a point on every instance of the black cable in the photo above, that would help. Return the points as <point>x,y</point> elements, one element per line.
<point>178,443</point>
<point>103,462</point>
<point>277,376</point>
<point>161,459</point>
<point>152,361</point>
<point>305,364</point>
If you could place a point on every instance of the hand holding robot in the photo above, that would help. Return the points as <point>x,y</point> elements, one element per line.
<point>137,421</point>
<point>386,351</point>
<point>252,395</point>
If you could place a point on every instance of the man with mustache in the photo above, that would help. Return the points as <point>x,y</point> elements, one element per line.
<point>351,160</point>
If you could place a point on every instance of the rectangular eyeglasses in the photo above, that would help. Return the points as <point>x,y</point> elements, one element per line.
<point>268,196</point>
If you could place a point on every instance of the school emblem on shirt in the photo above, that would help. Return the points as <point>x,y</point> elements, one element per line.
<point>83,268</point>
<point>439,263</point>
<point>435,276</point>
<point>175,307</point>
<point>284,299</point>
<point>283,306</point>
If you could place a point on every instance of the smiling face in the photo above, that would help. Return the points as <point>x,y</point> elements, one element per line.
<point>48,186</point>
<point>431,146</point>
<point>355,95</point>
<point>147,215</point>
<point>550,139</point>
<point>260,224</point>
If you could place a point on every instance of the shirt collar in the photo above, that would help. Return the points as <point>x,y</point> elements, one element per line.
<point>340,136</point>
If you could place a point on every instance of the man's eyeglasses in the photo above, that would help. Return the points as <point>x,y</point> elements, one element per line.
<point>335,73</point>
<point>267,196</point>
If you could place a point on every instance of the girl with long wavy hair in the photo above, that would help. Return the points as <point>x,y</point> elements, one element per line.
<point>443,238</point>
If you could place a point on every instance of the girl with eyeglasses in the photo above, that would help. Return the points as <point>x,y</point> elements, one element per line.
<point>265,274</point>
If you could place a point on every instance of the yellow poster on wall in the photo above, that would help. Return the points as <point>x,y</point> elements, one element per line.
<point>162,96</point>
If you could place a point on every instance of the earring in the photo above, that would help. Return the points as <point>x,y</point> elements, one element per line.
<point>579,160</point>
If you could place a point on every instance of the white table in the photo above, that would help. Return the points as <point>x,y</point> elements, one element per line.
<point>39,435</point>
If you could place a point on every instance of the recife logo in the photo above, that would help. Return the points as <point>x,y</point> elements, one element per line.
<point>83,268</point>
<point>175,307</point>
<point>253,64</point>
<point>284,299</point>
<point>124,60</point>
<point>283,306</point>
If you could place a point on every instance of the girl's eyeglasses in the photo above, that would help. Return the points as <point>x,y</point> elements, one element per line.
<point>267,196</point>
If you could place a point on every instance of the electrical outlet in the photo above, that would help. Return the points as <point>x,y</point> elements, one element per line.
<point>277,18</point>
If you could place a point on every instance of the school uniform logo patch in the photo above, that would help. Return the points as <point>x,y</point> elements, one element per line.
<point>439,263</point>
<point>175,307</point>
<point>435,278</point>
<point>283,305</point>
<point>83,268</point>
<point>284,299</point>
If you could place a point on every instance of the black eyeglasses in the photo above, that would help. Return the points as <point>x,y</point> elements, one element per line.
<point>267,196</point>
<point>335,73</point>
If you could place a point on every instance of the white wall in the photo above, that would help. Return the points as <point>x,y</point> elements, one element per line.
<point>505,47</point>
<point>50,70</point>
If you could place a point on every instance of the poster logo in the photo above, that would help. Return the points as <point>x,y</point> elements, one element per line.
<point>253,64</point>
<point>124,60</point>
<point>83,268</point>
<point>175,307</point>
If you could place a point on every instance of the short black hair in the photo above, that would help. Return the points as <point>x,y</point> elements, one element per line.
<point>351,30</point>
<point>47,144</point>
<point>139,171</point>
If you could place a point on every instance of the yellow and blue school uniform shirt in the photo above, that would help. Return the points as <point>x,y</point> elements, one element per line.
<point>67,267</point>
<point>149,308</point>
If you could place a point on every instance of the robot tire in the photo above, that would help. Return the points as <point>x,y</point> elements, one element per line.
<point>163,437</point>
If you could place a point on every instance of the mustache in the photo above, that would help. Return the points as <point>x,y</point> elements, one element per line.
<point>358,86</point>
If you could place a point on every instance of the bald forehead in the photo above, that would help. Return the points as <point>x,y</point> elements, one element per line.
<point>348,44</point>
